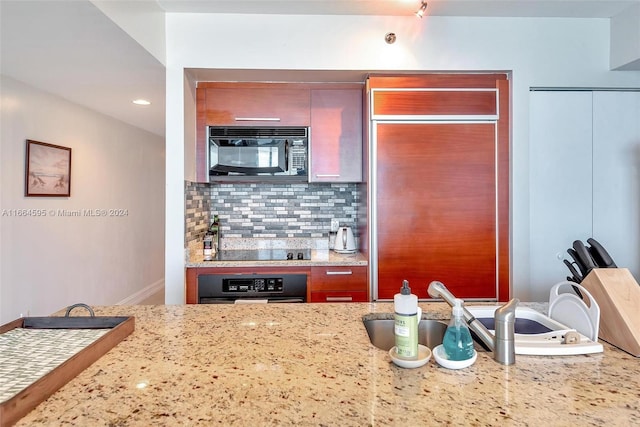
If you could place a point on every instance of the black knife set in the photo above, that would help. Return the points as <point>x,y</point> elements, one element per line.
<point>586,258</point>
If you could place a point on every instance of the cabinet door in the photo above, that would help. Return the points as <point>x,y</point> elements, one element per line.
<point>276,106</point>
<point>436,207</point>
<point>560,182</point>
<point>336,135</point>
<point>339,284</point>
<point>616,176</point>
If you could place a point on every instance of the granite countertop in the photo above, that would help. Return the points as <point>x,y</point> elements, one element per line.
<point>312,364</point>
<point>321,255</point>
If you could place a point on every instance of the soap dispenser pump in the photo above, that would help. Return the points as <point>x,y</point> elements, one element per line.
<point>406,319</point>
<point>457,342</point>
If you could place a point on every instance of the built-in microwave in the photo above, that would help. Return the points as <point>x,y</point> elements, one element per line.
<point>258,153</point>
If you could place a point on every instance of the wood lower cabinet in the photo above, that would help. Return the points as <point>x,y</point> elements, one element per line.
<point>336,135</point>
<point>339,284</point>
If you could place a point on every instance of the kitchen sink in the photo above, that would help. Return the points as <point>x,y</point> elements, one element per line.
<point>430,332</point>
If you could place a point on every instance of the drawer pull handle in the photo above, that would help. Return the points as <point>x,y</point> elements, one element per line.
<point>339,273</point>
<point>339,299</point>
<point>257,119</point>
<point>327,175</point>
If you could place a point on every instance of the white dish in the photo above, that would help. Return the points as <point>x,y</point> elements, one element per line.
<point>424,354</point>
<point>441,357</point>
<point>540,344</point>
<point>570,310</point>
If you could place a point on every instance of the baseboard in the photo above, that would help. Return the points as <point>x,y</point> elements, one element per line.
<point>143,294</point>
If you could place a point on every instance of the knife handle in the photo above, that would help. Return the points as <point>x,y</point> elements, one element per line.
<point>600,254</point>
<point>584,256</point>
<point>578,262</point>
<point>577,277</point>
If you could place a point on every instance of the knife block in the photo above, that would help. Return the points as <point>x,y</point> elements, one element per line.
<point>618,295</point>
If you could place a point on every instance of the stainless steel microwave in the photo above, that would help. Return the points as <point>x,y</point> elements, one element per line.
<point>258,153</point>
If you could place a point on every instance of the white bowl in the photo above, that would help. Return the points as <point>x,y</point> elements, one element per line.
<point>441,357</point>
<point>424,354</point>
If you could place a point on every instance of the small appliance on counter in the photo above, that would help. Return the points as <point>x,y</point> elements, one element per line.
<point>345,243</point>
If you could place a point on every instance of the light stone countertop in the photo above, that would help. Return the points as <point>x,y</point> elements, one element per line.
<point>312,365</point>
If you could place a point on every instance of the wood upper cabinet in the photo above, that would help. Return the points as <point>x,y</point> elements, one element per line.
<point>336,135</point>
<point>332,111</point>
<point>339,284</point>
<point>246,104</point>
<point>257,106</point>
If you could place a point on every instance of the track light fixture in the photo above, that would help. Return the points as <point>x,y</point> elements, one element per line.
<point>423,8</point>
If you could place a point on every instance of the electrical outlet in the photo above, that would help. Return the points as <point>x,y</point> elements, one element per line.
<point>335,224</point>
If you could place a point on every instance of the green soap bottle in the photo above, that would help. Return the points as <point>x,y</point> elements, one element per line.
<point>405,306</point>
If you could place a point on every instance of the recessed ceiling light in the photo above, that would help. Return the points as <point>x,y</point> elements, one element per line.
<point>141,102</point>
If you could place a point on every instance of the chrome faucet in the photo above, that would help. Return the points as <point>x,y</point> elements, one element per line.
<point>503,343</point>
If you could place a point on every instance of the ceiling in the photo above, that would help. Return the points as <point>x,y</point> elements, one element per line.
<point>71,49</point>
<point>503,8</point>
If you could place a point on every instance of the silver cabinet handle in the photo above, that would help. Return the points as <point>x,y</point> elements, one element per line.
<point>338,299</point>
<point>327,175</point>
<point>257,119</point>
<point>336,273</point>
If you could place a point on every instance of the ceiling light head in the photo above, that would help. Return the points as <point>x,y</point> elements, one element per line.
<point>390,38</point>
<point>141,102</point>
<point>422,10</point>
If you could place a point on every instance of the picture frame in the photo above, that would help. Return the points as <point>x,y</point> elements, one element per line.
<point>47,170</point>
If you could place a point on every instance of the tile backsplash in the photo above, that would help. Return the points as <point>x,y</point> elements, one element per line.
<point>270,210</point>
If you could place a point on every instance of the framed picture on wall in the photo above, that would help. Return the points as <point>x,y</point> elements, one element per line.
<point>48,170</point>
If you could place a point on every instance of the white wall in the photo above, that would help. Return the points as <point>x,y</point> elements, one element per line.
<point>539,52</point>
<point>142,20</point>
<point>625,39</point>
<point>50,262</point>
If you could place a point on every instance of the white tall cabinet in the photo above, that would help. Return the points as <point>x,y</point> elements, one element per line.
<point>584,179</point>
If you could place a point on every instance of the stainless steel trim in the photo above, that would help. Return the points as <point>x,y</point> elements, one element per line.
<point>373,213</point>
<point>437,117</point>
<point>257,119</point>
<point>336,273</point>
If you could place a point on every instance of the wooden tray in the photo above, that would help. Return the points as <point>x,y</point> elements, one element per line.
<point>101,334</point>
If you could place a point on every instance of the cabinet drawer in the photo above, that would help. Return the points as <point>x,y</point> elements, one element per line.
<point>339,296</point>
<point>339,279</point>
<point>258,106</point>
<point>436,103</point>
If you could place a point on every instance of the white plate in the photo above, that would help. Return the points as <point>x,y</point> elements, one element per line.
<point>424,354</point>
<point>441,357</point>
<point>569,309</point>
